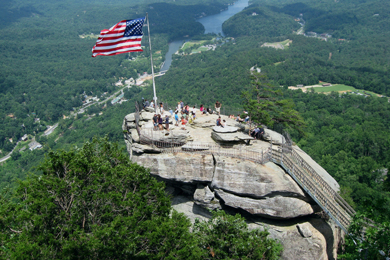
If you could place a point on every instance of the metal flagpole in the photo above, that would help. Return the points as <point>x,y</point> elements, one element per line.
<point>151,62</point>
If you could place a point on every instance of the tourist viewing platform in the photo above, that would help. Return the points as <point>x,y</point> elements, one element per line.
<point>266,177</point>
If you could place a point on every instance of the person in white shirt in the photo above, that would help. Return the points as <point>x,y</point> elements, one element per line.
<point>194,110</point>
<point>178,107</point>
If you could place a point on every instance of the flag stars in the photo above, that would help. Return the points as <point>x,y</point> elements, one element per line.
<point>134,27</point>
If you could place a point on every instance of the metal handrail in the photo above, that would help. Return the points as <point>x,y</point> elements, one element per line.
<point>310,182</point>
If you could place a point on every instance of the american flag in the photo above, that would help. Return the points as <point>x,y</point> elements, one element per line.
<point>123,37</point>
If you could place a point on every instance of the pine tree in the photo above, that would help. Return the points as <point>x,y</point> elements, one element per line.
<point>265,105</point>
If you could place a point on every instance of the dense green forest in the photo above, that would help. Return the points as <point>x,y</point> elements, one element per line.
<point>356,54</point>
<point>57,70</point>
<point>48,73</point>
<point>260,20</point>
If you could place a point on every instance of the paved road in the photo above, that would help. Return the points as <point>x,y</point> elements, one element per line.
<point>8,155</point>
<point>47,132</point>
<point>5,158</point>
<point>50,130</point>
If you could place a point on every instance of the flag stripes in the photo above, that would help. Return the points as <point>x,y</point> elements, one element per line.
<point>123,37</point>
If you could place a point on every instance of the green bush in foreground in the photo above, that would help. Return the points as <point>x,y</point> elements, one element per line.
<point>92,202</point>
<point>227,237</point>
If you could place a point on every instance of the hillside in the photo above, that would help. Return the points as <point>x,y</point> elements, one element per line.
<point>58,71</point>
<point>346,134</point>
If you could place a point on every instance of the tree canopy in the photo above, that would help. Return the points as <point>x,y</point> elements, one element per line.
<point>90,202</point>
<point>266,107</point>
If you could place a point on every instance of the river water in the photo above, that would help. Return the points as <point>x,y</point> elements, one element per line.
<point>212,24</point>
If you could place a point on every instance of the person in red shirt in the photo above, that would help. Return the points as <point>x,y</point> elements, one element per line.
<point>183,123</point>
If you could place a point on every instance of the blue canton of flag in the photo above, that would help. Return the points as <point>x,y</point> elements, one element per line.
<point>123,37</point>
<point>134,27</point>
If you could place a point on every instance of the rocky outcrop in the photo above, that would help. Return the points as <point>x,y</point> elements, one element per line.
<point>203,196</point>
<point>274,137</point>
<point>303,248</point>
<point>264,190</point>
<point>165,136</point>
<point>320,245</point>
<point>246,178</point>
<point>139,148</point>
<point>230,137</point>
<point>146,116</point>
<point>199,179</point>
<point>182,167</point>
<point>304,230</point>
<point>271,207</point>
<point>149,109</point>
<point>226,129</point>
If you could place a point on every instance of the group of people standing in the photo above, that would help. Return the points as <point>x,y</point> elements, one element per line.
<point>160,107</point>
<point>158,122</point>
<point>188,115</point>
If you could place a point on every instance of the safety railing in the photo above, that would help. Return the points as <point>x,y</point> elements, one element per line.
<point>260,157</point>
<point>319,190</point>
<point>320,181</point>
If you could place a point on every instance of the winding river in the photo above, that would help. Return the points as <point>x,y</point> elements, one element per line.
<point>212,24</point>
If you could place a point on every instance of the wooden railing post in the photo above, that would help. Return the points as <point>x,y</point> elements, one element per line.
<point>281,155</point>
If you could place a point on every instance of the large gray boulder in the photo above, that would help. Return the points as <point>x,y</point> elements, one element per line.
<point>131,125</point>
<point>203,194</point>
<point>181,167</point>
<point>296,247</point>
<point>134,135</point>
<point>149,109</point>
<point>174,136</point>
<point>130,117</point>
<point>272,207</point>
<point>146,116</point>
<point>273,136</point>
<point>179,136</point>
<point>304,230</point>
<point>246,178</point>
<point>230,137</point>
<point>226,129</point>
<point>139,148</point>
